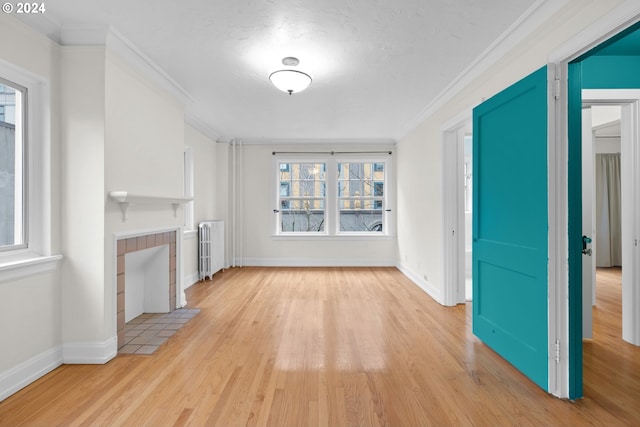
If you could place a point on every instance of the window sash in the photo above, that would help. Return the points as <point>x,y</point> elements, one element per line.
<point>302,197</point>
<point>13,168</point>
<point>361,196</point>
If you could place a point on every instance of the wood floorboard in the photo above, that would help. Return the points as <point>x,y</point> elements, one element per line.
<point>331,347</point>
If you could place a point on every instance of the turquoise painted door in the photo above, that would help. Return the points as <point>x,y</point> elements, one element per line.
<point>510,249</point>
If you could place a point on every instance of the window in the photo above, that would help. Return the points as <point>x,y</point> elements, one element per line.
<point>360,196</point>
<point>302,197</point>
<point>332,197</point>
<point>13,183</point>
<point>189,221</point>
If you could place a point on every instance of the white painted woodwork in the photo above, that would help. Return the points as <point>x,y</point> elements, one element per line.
<point>588,225</point>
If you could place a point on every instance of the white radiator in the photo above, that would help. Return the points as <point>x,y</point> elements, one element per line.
<point>210,248</point>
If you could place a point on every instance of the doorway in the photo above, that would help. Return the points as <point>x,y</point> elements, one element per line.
<point>601,198</point>
<point>458,201</point>
<point>614,133</point>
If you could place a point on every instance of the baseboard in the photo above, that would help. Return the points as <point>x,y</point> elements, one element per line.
<point>29,371</point>
<point>190,280</point>
<point>425,285</point>
<point>94,353</point>
<point>317,262</point>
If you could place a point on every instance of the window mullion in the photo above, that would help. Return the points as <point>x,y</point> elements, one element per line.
<point>332,197</point>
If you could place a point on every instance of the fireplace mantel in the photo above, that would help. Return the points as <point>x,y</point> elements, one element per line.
<point>124,199</point>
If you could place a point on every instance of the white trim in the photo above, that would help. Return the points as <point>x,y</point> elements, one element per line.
<point>340,142</point>
<point>104,35</point>
<point>536,15</point>
<point>95,353</point>
<point>190,234</point>
<point>189,185</point>
<point>453,232</point>
<point>317,262</point>
<point>29,371</point>
<point>191,118</point>
<point>429,288</point>
<point>557,246</point>
<point>603,29</point>
<point>27,266</point>
<point>629,99</point>
<point>190,280</point>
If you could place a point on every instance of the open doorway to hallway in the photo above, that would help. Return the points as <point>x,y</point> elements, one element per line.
<point>601,198</point>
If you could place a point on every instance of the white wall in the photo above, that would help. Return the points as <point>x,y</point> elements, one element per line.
<point>260,247</point>
<point>207,205</point>
<point>83,103</point>
<point>420,207</point>
<point>30,319</point>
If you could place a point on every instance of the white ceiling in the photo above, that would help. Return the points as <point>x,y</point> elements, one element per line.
<point>376,64</point>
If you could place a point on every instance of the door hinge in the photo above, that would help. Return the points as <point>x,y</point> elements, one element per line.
<point>556,89</point>
<point>556,355</point>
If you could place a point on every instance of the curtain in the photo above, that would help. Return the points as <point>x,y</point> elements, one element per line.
<point>608,211</point>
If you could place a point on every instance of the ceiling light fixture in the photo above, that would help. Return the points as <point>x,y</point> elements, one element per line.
<point>290,81</point>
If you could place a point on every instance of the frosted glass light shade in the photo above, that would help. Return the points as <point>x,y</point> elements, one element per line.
<point>290,81</point>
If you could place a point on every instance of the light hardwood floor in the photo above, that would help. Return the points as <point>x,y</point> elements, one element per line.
<point>330,347</point>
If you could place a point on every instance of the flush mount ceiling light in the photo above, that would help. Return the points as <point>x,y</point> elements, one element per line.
<point>290,81</point>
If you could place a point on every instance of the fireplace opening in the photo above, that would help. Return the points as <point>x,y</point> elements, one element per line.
<point>146,285</point>
<point>146,277</point>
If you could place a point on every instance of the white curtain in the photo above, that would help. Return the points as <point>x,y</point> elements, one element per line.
<point>608,211</point>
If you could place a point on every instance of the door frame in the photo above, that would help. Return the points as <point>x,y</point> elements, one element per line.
<point>568,296</point>
<point>629,100</point>
<point>453,208</point>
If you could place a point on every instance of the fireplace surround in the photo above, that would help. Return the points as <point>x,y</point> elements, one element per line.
<point>138,241</point>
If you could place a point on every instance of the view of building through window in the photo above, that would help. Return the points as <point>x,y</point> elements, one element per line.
<point>357,195</point>
<point>360,196</point>
<point>12,186</point>
<point>302,197</point>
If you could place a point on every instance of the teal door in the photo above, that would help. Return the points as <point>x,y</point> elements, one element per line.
<point>510,225</point>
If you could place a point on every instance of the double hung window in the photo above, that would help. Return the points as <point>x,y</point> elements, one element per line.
<point>337,196</point>
<point>302,197</point>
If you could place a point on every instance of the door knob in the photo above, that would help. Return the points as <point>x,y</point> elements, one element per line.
<point>585,241</point>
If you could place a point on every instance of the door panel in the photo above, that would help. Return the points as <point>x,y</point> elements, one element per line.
<point>510,225</point>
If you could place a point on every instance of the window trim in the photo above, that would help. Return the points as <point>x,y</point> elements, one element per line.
<point>188,188</point>
<point>278,208</point>
<point>38,256</point>
<point>332,212</point>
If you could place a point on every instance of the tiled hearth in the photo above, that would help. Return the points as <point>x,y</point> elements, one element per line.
<point>147,332</point>
<point>133,244</point>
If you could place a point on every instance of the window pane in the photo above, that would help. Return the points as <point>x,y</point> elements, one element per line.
<point>12,185</point>
<point>361,215</point>
<point>361,196</point>
<point>302,197</point>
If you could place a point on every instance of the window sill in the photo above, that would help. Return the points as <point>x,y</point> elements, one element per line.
<point>26,264</point>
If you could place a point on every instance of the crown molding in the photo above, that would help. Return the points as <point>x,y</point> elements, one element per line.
<point>615,21</point>
<point>382,142</point>
<point>145,65</point>
<point>536,15</point>
<point>105,35</point>
<point>193,119</point>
